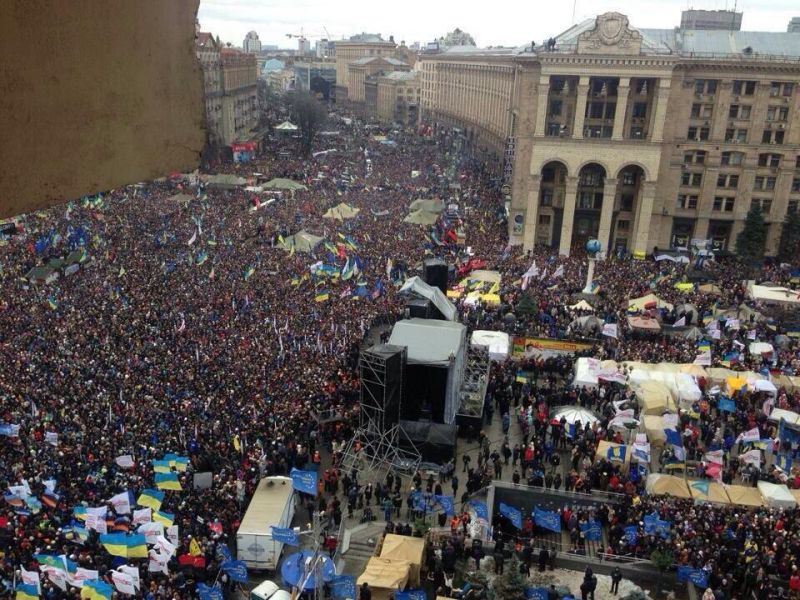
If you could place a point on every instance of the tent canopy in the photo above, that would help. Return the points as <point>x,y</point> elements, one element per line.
<point>429,341</point>
<point>226,179</point>
<point>745,495</point>
<point>415,285</point>
<point>716,492</point>
<point>180,199</point>
<point>405,548</point>
<point>385,573</point>
<point>773,295</point>
<point>341,212</point>
<point>498,343</point>
<point>421,217</point>
<point>654,428</point>
<point>582,305</point>
<point>642,323</point>
<point>302,241</point>
<point>573,414</point>
<point>587,323</point>
<point>654,397</point>
<point>434,206</point>
<point>760,348</point>
<point>787,415</point>
<point>777,496</point>
<point>286,126</point>
<point>659,484</point>
<point>710,288</point>
<point>281,183</point>
<point>645,302</point>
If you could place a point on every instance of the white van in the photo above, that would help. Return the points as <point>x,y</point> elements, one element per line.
<point>269,590</point>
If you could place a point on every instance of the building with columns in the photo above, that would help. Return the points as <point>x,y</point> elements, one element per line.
<point>358,46</point>
<point>640,138</point>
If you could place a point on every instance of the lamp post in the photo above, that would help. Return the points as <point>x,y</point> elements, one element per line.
<point>592,249</point>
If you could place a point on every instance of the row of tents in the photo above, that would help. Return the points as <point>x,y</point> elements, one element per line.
<point>703,490</point>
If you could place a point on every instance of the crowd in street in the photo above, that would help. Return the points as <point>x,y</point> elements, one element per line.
<point>193,329</point>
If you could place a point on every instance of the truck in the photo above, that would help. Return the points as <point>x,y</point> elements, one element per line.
<point>272,505</point>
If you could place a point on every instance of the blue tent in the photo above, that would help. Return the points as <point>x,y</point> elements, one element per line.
<point>294,566</point>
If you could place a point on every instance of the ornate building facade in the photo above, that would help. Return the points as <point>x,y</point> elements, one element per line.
<point>640,138</point>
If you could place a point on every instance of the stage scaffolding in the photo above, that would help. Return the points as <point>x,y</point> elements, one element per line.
<point>374,449</point>
<point>475,382</point>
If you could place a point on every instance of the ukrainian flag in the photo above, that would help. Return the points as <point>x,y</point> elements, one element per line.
<point>180,463</point>
<point>167,481</point>
<point>164,518</point>
<point>26,591</point>
<point>150,498</point>
<point>96,590</point>
<point>79,512</point>
<point>48,560</point>
<point>137,546</point>
<point>321,296</point>
<point>161,466</point>
<point>115,544</point>
<point>52,303</point>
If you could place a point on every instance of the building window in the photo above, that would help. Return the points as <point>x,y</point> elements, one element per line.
<point>626,203</point>
<point>762,183</point>
<point>544,219</point>
<point>769,160</point>
<point>702,111</point>
<point>623,225</point>
<point>687,201</point>
<point>777,113</point>
<point>796,185</point>
<point>697,157</point>
<point>727,181</point>
<point>555,108</point>
<point>705,86</point>
<point>780,88</point>
<point>547,198</point>
<point>791,206</point>
<point>698,134</point>
<point>692,179</point>
<point>765,204</point>
<point>554,129</point>
<point>639,110</point>
<point>772,137</point>
<point>739,111</point>
<point>744,88</point>
<point>737,136</point>
<point>731,158</point>
<point>722,204</point>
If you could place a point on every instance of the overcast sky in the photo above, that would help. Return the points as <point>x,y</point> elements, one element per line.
<point>504,22</point>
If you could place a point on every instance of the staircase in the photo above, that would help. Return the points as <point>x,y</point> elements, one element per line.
<point>358,546</point>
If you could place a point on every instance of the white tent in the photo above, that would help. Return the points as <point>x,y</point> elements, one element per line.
<point>582,305</point>
<point>286,126</point>
<point>586,371</point>
<point>763,385</point>
<point>777,496</point>
<point>760,348</point>
<point>773,295</point>
<point>497,343</point>
<point>573,414</point>
<point>415,285</point>
<point>787,415</point>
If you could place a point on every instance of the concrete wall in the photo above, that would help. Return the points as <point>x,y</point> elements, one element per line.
<point>96,94</point>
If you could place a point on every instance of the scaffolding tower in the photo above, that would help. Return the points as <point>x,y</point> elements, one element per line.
<point>375,447</point>
<point>475,382</point>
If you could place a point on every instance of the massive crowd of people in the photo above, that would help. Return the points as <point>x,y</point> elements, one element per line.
<point>193,328</point>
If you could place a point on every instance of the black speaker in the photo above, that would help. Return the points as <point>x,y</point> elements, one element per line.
<point>382,369</point>
<point>419,308</point>
<point>435,273</point>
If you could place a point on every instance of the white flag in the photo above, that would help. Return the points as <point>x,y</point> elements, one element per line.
<point>732,324</point>
<point>559,272</point>
<point>125,461</point>
<point>172,534</point>
<point>82,575</point>
<point>100,511</point>
<point>151,531</point>
<point>132,572</point>
<point>157,563</point>
<point>680,322</point>
<point>738,344</point>
<point>751,335</point>
<point>141,516</point>
<point>57,576</point>
<point>164,546</point>
<point>192,239</point>
<point>610,330</point>
<point>716,334</point>
<point>715,456</point>
<point>752,457</point>
<point>749,436</point>
<point>97,523</point>
<point>31,578</point>
<point>703,359</point>
<point>51,438</point>
<point>123,582</point>
<point>121,503</point>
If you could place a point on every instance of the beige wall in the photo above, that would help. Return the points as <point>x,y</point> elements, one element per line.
<point>347,52</point>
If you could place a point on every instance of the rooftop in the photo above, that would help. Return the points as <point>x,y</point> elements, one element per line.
<point>365,60</point>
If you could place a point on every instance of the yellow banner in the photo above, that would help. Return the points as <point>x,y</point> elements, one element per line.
<point>534,346</point>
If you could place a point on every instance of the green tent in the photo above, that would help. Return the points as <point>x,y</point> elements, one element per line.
<point>280,183</point>
<point>226,179</point>
<point>422,217</point>
<point>434,206</point>
<point>341,212</point>
<point>42,275</point>
<point>302,241</point>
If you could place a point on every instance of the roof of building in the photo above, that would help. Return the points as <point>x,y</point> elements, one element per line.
<point>365,60</point>
<point>700,42</point>
<point>401,75</point>
<point>204,38</point>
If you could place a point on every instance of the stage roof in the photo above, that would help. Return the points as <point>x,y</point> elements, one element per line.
<point>429,342</point>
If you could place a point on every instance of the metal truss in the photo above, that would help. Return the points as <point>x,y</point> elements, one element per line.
<point>475,382</point>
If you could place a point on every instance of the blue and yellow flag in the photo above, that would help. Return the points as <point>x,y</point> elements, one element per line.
<point>165,518</point>
<point>248,272</point>
<point>51,302</point>
<point>321,296</point>
<point>26,591</point>
<point>125,545</point>
<point>616,453</point>
<point>161,466</point>
<point>96,590</point>
<point>150,498</point>
<point>167,481</point>
<point>180,463</point>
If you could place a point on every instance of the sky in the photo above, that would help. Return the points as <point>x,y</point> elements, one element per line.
<point>503,23</point>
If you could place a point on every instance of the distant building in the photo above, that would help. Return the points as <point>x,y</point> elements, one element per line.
<point>272,64</point>
<point>358,71</point>
<point>239,100</point>
<point>457,38</point>
<point>251,43</point>
<point>208,53</point>
<point>318,76</point>
<point>398,97</point>
<point>358,46</point>
<point>303,46</point>
<point>324,49</point>
<point>794,25</point>
<point>711,20</point>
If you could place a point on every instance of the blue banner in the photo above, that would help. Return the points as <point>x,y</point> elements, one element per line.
<point>655,526</point>
<point>446,504</point>
<point>673,437</point>
<point>783,462</point>
<point>631,535</point>
<point>9,430</point>
<point>481,510</point>
<point>788,434</point>
<point>727,405</point>
<point>304,481</point>
<point>512,514</point>
<point>224,552</point>
<point>547,520</point>
<point>343,586</point>
<point>697,576</point>
<point>236,570</point>
<point>410,595</point>
<point>537,593</point>
<point>616,453</point>
<point>285,535</point>
<point>209,592</point>
<point>591,531</point>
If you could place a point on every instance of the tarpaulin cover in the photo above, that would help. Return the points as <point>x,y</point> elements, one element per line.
<point>787,415</point>
<point>775,495</point>
<point>716,492</point>
<point>421,217</point>
<point>642,323</point>
<point>430,342</point>
<point>654,397</point>
<point>415,285</point>
<point>654,428</point>
<point>659,484</point>
<point>385,574</point>
<point>280,183</point>
<point>645,301</point>
<point>341,212</point>
<point>497,342</point>
<point>402,547</point>
<point>745,495</point>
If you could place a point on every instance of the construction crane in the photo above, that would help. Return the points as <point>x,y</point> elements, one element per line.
<point>302,35</point>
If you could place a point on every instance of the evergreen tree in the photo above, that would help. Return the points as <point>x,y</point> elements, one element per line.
<point>526,305</point>
<point>309,114</point>
<point>790,237</point>
<point>511,584</point>
<point>751,241</point>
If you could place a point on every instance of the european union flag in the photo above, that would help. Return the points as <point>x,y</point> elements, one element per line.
<point>410,595</point>
<point>236,570</point>
<point>591,531</point>
<point>304,481</point>
<point>631,535</point>
<point>673,437</point>
<point>547,520</point>
<point>285,535</point>
<point>446,503</point>
<point>787,433</point>
<point>207,592</point>
<point>224,552</point>
<point>697,576</point>
<point>512,514</point>
<point>727,405</point>
<point>343,586</point>
<point>481,510</point>
<point>538,593</point>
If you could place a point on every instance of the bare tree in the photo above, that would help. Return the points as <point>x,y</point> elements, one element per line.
<point>309,115</point>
